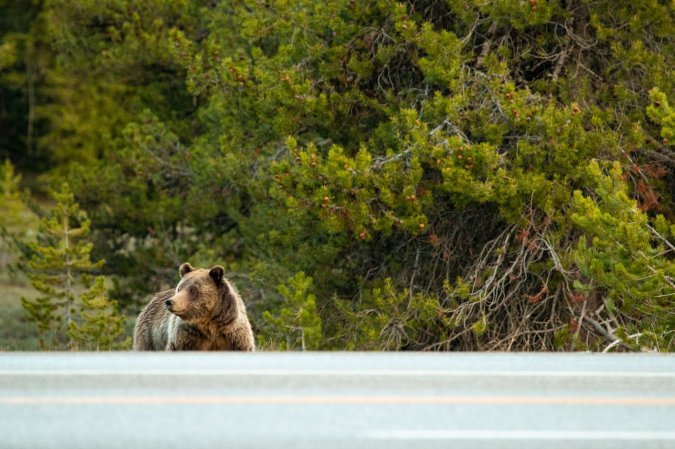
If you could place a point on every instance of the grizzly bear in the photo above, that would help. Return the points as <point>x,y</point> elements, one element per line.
<point>203,313</point>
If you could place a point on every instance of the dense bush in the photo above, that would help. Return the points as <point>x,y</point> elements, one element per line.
<point>447,174</point>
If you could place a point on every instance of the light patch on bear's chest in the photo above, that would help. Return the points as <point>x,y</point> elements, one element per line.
<point>172,329</point>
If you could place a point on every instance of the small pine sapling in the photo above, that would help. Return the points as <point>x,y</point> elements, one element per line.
<point>70,307</point>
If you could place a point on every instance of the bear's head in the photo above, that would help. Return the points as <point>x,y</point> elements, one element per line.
<point>200,293</point>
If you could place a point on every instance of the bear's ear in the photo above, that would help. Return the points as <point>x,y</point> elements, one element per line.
<point>216,274</point>
<point>185,269</point>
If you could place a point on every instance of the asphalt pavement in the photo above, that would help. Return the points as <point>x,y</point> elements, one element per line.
<point>336,400</point>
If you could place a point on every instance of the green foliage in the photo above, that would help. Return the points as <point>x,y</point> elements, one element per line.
<point>375,135</point>
<point>12,95</point>
<point>15,218</point>
<point>383,148</point>
<point>295,324</point>
<point>392,319</point>
<point>7,54</point>
<point>112,64</point>
<point>11,203</point>
<point>59,270</point>
<point>625,258</point>
<point>100,325</point>
<point>661,113</point>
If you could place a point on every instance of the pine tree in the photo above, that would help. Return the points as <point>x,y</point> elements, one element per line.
<point>14,216</point>
<point>11,204</point>
<point>60,270</point>
<point>621,257</point>
<point>100,325</point>
<point>296,324</point>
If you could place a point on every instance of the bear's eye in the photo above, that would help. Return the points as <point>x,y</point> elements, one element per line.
<point>193,290</point>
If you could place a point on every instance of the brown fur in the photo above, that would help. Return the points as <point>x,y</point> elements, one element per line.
<point>203,313</point>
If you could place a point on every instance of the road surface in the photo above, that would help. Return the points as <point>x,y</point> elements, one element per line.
<point>336,400</point>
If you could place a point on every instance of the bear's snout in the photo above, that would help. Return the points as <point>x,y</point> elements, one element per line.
<point>168,303</point>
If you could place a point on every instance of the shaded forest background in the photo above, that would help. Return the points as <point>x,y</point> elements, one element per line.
<point>373,175</point>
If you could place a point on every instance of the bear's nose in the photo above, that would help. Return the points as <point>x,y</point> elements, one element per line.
<point>168,302</point>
